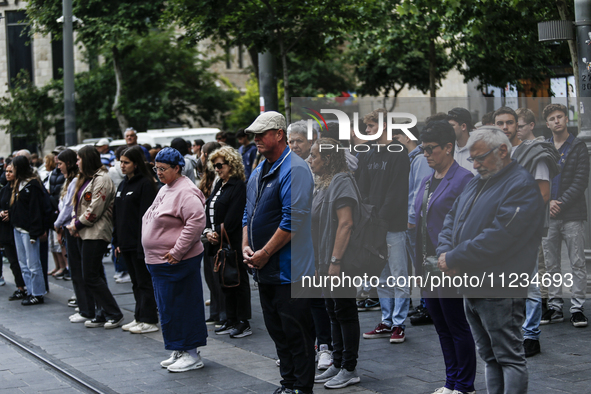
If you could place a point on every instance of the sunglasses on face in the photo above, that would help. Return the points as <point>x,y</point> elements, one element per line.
<point>428,149</point>
<point>219,166</point>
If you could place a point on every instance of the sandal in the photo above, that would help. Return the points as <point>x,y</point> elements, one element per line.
<point>58,272</point>
<point>52,272</point>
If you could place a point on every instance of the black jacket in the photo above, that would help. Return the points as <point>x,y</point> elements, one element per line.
<point>229,208</point>
<point>574,179</point>
<point>134,197</point>
<point>56,181</point>
<point>27,211</point>
<point>6,229</point>
<point>382,178</point>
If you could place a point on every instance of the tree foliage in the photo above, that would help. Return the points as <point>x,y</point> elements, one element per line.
<point>30,111</point>
<point>497,41</point>
<point>304,29</point>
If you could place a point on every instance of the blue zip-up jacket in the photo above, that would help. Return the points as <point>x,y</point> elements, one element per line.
<point>282,199</point>
<point>499,235</point>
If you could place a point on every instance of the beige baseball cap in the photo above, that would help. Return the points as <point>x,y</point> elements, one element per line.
<point>270,120</point>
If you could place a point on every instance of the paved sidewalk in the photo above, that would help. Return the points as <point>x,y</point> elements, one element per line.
<point>127,363</point>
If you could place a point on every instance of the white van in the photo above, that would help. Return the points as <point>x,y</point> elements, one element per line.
<point>165,136</point>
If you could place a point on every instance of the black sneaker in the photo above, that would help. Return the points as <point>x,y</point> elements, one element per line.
<point>241,330</point>
<point>531,347</point>
<point>372,304</point>
<point>578,319</point>
<point>60,275</point>
<point>553,316</point>
<point>33,300</point>
<point>67,275</point>
<point>94,323</point>
<point>226,328</point>
<point>361,306</point>
<point>421,318</point>
<point>18,295</point>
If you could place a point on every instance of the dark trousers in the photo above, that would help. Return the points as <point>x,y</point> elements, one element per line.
<point>10,253</point>
<point>84,298</point>
<point>344,322</point>
<point>143,290</point>
<point>290,325</point>
<point>217,305</point>
<point>44,257</point>
<point>322,326</point>
<point>455,337</point>
<point>238,298</point>
<point>92,251</point>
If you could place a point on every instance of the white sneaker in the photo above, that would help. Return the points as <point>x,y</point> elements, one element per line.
<point>459,392</point>
<point>443,390</point>
<point>128,326</point>
<point>117,275</point>
<point>186,362</point>
<point>172,359</point>
<point>125,278</point>
<point>77,318</point>
<point>324,358</point>
<point>143,328</point>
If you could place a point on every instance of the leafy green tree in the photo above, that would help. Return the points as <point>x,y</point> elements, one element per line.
<point>107,25</point>
<point>395,53</point>
<point>164,82</point>
<point>30,112</point>
<point>306,29</point>
<point>498,41</point>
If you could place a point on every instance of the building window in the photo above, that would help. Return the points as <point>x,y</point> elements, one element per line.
<point>57,58</point>
<point>20,45</point>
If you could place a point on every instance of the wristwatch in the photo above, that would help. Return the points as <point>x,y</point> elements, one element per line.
<point>333,260</point>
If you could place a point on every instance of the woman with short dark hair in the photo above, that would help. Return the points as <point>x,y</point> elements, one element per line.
<point>434,200</point>
<point>171,233</point>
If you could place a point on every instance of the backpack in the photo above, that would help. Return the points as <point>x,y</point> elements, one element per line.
<point>367,251</point>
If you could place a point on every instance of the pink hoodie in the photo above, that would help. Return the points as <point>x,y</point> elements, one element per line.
<point>174,223</point>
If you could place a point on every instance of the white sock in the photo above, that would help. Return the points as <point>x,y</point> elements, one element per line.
<point>193,353</point>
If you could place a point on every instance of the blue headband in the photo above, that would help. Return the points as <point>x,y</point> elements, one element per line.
<point>170,156</point>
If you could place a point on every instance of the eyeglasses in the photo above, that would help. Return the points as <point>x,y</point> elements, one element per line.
<point>481,157</point>
<point>428,148</point>
<point>219,166</point>
<point>160,169</point>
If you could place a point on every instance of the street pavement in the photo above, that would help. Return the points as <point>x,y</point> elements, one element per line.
<point>120,362</point>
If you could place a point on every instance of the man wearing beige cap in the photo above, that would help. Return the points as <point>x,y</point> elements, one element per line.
<point>107,155</point>
<point>277,245</point>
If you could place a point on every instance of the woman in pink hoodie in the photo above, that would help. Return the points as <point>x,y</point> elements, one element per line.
<point>171,237</point>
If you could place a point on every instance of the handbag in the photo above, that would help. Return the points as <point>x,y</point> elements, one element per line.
<point>430,266</point>
<point>226,262</point>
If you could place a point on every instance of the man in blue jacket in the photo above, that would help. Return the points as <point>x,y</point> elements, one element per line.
<point>493,232</point>
<point>277,245</point>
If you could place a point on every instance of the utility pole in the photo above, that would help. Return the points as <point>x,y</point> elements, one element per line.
<point>69,102</point>
<point>267,83</point>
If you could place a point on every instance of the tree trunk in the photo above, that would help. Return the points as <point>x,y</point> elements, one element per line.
<point>432,71</point>
<point>121,119</point>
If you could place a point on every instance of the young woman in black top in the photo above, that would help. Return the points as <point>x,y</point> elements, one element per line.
<point>134,196</point>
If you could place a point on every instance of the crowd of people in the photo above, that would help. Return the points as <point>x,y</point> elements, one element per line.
<point>450,200</point>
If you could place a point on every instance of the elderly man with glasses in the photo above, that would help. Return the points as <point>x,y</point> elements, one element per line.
<point>492,233</point>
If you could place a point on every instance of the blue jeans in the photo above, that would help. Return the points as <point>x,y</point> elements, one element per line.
<point>30,263</point>
<point>533,310</point>
<point>496,328</point>
<point>395,300</point>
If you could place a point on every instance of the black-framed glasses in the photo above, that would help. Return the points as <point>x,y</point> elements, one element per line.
<point>428,148</point>
<point>219,166</point>
<point>160,169</point>
<point>480,158</point>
